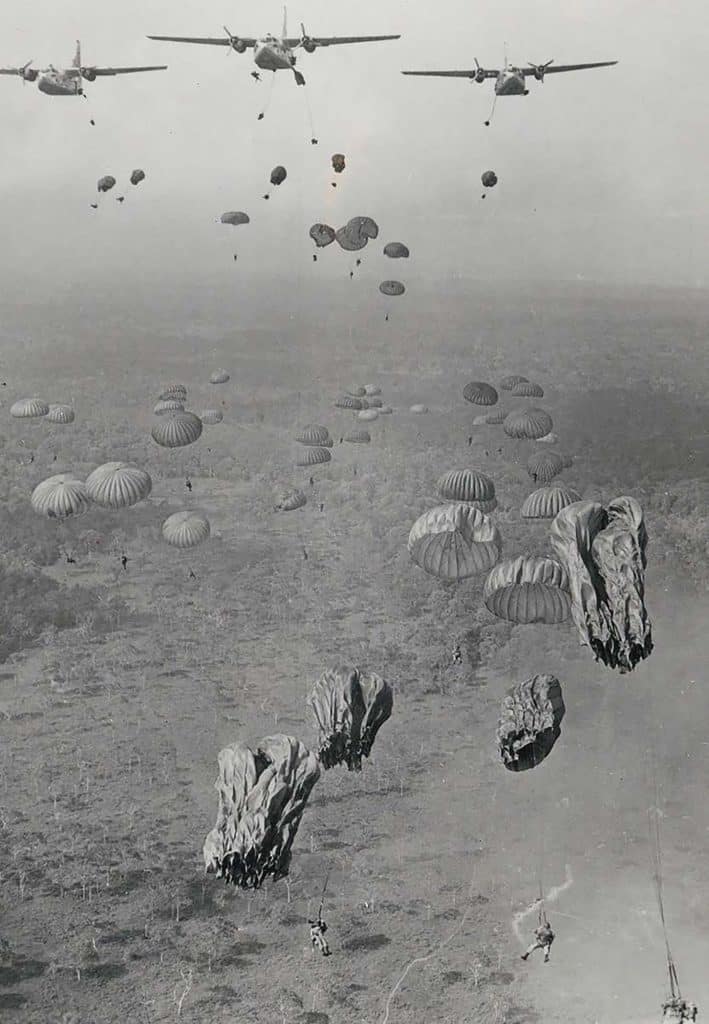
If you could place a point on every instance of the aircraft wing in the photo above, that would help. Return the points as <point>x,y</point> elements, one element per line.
<point>103,72</point>
<point>339,40</point>
<point>220,41</point>
<point>571,67</point>
<point>486,72</point>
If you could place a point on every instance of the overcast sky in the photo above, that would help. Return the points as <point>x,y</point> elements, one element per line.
<point>602,174</point>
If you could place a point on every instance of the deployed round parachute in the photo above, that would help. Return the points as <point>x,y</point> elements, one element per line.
<point>29,408</point>
<point>118,485</point>
<point>322,235</point>
<point>454,542</point>
<point>348,402</point>
<point>480,393</point>
<point>489,179</point>
<point>530,722</point>
<point>314,434</point>
<point>546,502</point>
<point>544,466</point>
<point>61,414</point>
<point>186,529</point>
<point>496,418</point>
<point>289,501</point>
<point>372,390</point>
<point>385,410</point>
<point>61,496</point>
<point>262,797</point>
<point>218,377</point>
<point>350,707</point>
<point>176,391</point>
<point>210,417</point>
<point>603,551</point>
<point>356,233</point>
<point>527,389</point>
<point>338,162</point>
<point>235,218</point>
<point>469,486</point>
<point>177,429</point>
<point>550,438</point>
<point>396,251</point>
<point>528,589</point>
<point>392,288</point>
<point>418,409</point>
<point>510,383</point>
<point>358,392</point>
<point>278,175</point>
<point>358,437</point>
<point>137,176</point>
<point>528,423</point>
<point>167,405</point>
<point>313,456</point>
<point>106,183</point>
<point>368,414</point>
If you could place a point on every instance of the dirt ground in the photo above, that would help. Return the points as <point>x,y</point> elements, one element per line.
<point>119,687</point>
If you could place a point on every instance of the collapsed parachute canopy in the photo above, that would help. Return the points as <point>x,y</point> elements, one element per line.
<point>29,408</point>
<point>480,393</point>
<point>350,707</point>
<point>235,217</point>
<point>530,722</point>
<point>106,183</point>
<point>118,485</point>
<point>262,796</point>
<point>489,179</point>
<point>396,251</point>
<point>289,501</point>
<point>61,496</point>
<point>454,542</point>
<point>338,162</point>
<point>528,590</point>
<point>356,233</point>
<point>392,288</point>
<point>322,235</point>
<point>186,529</point>
<point>278,175</point>
<point>177,429</point>
<point>219,377</point>
<point>603,551</point>
<point>137,176</point>
<point>470,486</point>
<point>528,423</point>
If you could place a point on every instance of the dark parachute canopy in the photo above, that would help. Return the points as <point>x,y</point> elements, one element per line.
<point>290,501</point>
<point>235,217</point>
<point>322,235</point>
<point>528,589</point>
<point>396,251</point>
<point>278,175</point>
<point>338,162</point>
<point>392,288</point>
<point>489,179</point>
<point>603,551</point>
<point>530,722</point>
<point>137,176</point>
<point>470,486</point>
<point>262,796</point>
<point>547,502</point>
<point>106,183</point>
<point>480,393</point>
<point>356,233</point>
<point>528,423</point>
<point>350,707</point>
<point>544,466</point>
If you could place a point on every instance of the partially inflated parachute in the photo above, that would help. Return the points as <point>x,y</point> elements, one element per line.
<point>322,235</point>
<point>603,550</point>
<point>530,722</point>
<point>106,183</point>
<point>356,233</point>
<point>454,542</point>
<point>350,707</point>
<point>528,589</point>
<point>262,797</point>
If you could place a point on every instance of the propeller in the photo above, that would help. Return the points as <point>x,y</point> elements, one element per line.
<point>234,42</point>
<point>26,73</point>
<point>480,72</point>
<point>539,69</point>
<point>306,41</point>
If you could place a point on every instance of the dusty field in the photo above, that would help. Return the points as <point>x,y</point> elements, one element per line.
<point>119,688</point>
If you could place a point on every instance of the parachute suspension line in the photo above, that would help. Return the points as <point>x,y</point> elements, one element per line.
<point>309,112</point>
<point>656,849</point>
<point>269,97</point>
<point>492,112</point>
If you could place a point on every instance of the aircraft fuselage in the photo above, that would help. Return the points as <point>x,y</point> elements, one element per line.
<point>510,83</point>
<point>57,83</point>
<point>271,55</point>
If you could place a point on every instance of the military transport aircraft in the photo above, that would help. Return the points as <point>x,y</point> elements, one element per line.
<point>511,81</point>
<point>273,53</point>
<point>69,81</point>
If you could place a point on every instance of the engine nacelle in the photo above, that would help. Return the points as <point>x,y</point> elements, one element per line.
<point>480,76</point>
<point>89,74</point>
<point>539,74</point>
<point>309,45</point>
<point>239,45</point>
<point>30,74</point>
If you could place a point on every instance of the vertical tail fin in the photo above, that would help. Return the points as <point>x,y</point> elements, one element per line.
<point>77,55</point>
<point>285,23</point>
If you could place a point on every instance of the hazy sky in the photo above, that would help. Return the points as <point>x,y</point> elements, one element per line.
<point>602,173</point>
